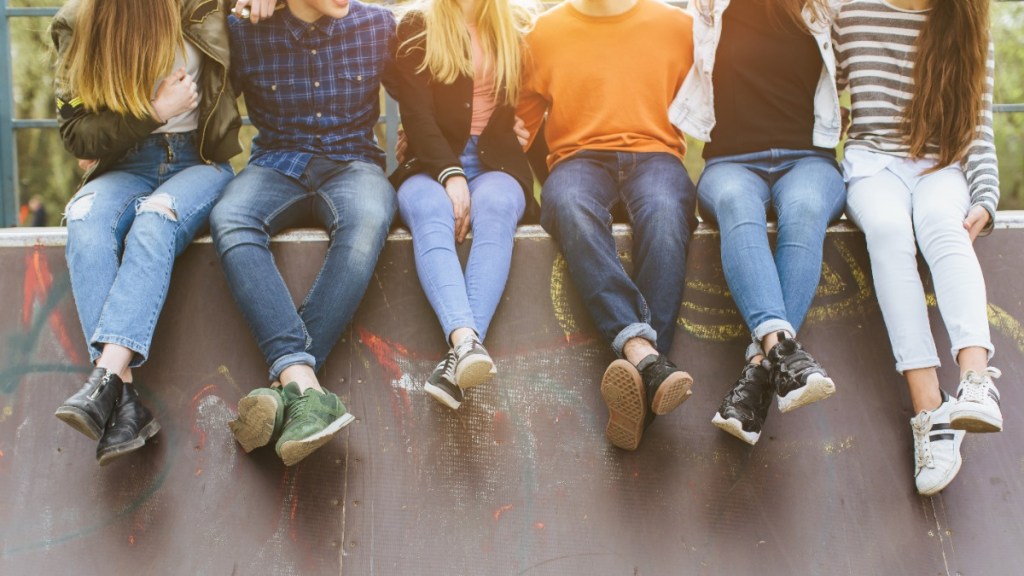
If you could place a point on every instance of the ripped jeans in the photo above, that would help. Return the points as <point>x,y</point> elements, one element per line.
<point>126,227</point>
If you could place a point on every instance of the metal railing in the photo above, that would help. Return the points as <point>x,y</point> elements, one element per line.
<point>9,124</point>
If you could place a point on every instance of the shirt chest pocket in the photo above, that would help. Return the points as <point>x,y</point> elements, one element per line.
<point>355,82</point>
<point>283,93</point>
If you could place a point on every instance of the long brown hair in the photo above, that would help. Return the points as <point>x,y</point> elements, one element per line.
<point>119,51</point>
<point>949,80</point>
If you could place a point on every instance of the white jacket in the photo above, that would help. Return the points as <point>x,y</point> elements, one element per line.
<point>693,108</point>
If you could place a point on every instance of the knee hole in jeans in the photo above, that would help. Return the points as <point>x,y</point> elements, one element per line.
<point>162,204</point>
<point>80,207</point>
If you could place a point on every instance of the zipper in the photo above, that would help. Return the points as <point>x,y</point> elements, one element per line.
<point>216,102</point>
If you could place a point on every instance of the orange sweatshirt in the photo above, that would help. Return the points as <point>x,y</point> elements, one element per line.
<point>606,82</point>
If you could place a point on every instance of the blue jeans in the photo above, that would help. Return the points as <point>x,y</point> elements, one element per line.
<point>353,201</point>
<point>126,227</point>
<point>805,190</point>
<point>659,196</point>
<point>496,205</point>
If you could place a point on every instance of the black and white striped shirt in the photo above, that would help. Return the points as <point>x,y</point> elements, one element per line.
<point>874,43</point>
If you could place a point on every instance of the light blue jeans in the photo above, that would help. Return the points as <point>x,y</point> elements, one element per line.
<point>354,203</point>
<point>126,227</point>
<point>805,190</point>
<point>463,300</point>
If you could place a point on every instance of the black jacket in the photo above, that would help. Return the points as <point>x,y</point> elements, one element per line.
<point>436,118</point>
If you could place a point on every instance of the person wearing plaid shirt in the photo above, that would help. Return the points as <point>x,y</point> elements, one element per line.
<point>311,76</point>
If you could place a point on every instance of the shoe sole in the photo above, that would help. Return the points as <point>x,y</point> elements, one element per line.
<point>441,396</point>
<point>948,478</point>
<point>293,451</point>
<point>254,426</point>
<point>735,427</point>
<point>114,452</point>
<point>970,419</point>
<point>80,421</point>
<point>623,393</point>
<point>675,390</point>
<point>474,372</point>
<point>818,387</point>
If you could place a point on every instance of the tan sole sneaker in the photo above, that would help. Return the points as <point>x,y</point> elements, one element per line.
<point>254,426</point>
<point>675,390</point>
<point>623,393</point>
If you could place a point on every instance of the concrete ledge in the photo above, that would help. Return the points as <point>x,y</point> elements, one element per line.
<point>520,480</point>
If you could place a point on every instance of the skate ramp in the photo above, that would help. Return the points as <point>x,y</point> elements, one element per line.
<point>519,481</point>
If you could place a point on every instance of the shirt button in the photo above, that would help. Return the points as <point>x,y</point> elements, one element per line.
<point>467,105</point>
<point>359,78</point>
<point>318,115</point>
<point>273,87</point>
<point>313,51</point>
<point>317,84</point>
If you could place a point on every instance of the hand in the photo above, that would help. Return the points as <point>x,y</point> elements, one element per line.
<point>458,192</point>
<point>86,165</point>
<point>176,95</point>
<point>254,10</point>
<point>977,219</point>
<point>401,146</point>
<point>522,134</point>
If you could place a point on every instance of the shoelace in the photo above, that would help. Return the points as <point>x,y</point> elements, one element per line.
<point>974,385</point>
<point>465,346</point>
<point>448,368</point>
<point>922,444</point>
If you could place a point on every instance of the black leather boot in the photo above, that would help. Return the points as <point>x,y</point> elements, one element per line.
<point>89,409</point>
<point>129,427</point>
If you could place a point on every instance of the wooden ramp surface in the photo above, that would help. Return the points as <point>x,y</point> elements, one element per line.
<point>520,480</point>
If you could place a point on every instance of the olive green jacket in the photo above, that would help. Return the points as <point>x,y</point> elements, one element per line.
<point>106,136</point>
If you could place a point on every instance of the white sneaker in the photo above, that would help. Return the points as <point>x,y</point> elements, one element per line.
<point>936,448</point>
<point>977,403</point>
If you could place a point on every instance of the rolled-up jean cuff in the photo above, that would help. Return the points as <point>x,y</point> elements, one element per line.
<point>141,351</point>
<point>955,350</point>
<point>638,330</point>
<point>767,327</point>
<point>290,360</point>
<point>917,364</point>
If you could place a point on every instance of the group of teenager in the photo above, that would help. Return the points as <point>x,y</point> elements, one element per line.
<point>146,93</point>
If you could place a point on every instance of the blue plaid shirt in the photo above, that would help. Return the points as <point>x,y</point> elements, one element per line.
<point>313,89</point>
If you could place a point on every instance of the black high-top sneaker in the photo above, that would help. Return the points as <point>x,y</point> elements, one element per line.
<point>130,426</point>
<point>89,409</point>
<point>745,407</point>
<point>797,377</point>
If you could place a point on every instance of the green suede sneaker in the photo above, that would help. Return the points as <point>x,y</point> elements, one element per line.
<point>260,416</point>
<point>311,420</point>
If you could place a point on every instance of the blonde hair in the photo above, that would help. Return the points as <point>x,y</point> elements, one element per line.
<point>448,53</point>
<point>118,53</point>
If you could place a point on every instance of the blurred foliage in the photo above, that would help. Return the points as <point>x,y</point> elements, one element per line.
<point>46,170</point>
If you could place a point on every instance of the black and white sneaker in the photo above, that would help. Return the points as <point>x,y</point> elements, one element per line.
<point>797,377</point>
<point>441,383</point>
<point>473,365</point>
<point>936,448</point>
<point>745,407</point>
<point>977,403</point>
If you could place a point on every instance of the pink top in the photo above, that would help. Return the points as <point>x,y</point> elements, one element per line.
<point>483,86</point>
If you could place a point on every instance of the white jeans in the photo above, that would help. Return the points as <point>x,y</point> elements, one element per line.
<point>894,204</point>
